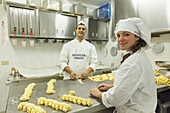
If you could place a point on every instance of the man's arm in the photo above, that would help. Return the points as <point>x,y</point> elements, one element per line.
<point>73,75</point>
<point>87,72</point>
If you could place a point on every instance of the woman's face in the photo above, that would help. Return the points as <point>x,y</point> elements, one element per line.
<point>126,40</point>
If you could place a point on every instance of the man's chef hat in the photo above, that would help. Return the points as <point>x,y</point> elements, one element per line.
<point>81,22</point>
<point>136,26</point>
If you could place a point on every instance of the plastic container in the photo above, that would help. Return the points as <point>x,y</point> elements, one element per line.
<point>90,11</point>
<point>104,12</point>
<point>67,7</point>
<point>32,42</point>
<point>14,41</point>
<point>79,9</point>
<point>54,5</point>
<point>23,43</point>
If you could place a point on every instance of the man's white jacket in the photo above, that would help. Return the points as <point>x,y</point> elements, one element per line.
<point>79,56</point>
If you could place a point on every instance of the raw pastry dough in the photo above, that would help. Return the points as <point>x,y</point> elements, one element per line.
<point>27,92</point>
<point>102,77</point>
<point>77,100</point>
<point>79,80</point>
<point>72,92</point>
<point>41,100</point>
<point>50,86</point>
<point>54,104</point>
<point>30,108</point>
<point>21,105</point>
<point>162,80</point>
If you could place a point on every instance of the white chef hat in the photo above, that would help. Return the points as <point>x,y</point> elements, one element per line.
<point>136,26</point>
<point>81,22</point>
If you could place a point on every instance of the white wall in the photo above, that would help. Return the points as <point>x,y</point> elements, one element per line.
<point>165,55</point>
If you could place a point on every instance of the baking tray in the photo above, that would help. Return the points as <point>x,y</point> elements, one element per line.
<point>61,87</point>
<point>165,64</point>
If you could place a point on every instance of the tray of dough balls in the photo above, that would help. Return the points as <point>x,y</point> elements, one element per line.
<point>53,96</point>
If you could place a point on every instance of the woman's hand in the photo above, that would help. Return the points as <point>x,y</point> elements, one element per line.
<point>96,92</point>
<point>104,86</point>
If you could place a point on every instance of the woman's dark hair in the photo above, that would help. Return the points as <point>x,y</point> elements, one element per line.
<point>140,43</point>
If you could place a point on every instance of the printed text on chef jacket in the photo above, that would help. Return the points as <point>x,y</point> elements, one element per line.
<point>78,56</point>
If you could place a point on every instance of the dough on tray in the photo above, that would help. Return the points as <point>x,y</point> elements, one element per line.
<point>77,100</point>
<point>54,104</point>
<point>102,77</point>
<point>50,86</point>
<point>30,108</point>
<point>28,92</point>
<point>72,92</point>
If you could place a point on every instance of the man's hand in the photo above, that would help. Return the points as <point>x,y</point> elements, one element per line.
<point>96,92</point>
<point>73,75</point>
<point>84,75</point>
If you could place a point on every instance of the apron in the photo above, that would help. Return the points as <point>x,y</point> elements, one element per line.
<point>124,109</point>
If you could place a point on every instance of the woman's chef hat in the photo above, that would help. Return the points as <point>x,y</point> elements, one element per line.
<point>81,22</point>
<point>136,26</point>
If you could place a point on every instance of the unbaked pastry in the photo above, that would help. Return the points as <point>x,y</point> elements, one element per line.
<point>79,80</point>
<point>54,104</point>
<point>77,100</point>
<point>27,92</point>
<point>50,86</point>
<point>72,92</point>
<point>102,77</point>
<point>30,108</point>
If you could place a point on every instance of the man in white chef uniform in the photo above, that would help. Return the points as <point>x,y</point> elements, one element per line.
<point>78,57</point>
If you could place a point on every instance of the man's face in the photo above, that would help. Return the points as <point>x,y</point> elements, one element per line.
<point>81,31</point>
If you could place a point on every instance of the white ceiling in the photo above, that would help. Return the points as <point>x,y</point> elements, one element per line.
<point>93,2</point>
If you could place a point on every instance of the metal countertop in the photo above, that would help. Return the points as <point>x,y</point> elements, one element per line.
<point>61,87</point>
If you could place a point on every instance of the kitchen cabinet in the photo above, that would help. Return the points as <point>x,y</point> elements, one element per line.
<point>13,14</point>
<point>96,29</point>
<point>92,28</point>
<point>21,21</point>
<point>45,26</point>
<point>155,13</point>
<point>55,25</point>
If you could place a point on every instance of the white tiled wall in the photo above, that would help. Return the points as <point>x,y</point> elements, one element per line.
<point>44,55</point>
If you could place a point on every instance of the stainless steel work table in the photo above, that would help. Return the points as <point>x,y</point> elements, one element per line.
<point>61,87</point>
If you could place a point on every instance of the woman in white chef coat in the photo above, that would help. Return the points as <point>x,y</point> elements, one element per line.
<point>78,57</point>
<point>134,87</point>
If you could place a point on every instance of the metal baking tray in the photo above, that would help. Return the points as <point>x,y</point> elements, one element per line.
<point>165,64</point>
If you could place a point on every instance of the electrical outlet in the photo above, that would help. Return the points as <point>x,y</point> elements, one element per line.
<point>4,62</point>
